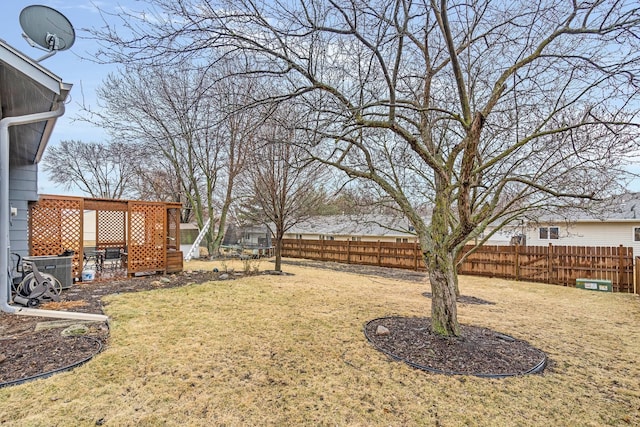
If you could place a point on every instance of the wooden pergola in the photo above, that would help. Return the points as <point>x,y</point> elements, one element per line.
<point>149,232</point>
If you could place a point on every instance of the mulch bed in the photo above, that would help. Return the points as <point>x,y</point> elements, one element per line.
<point>478,351</point>
<point>25,353</point>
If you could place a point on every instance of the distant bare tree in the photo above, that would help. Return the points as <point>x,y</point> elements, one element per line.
<point>281,187</point>
<point>183,118</point>
<point>157,180</point>
<point>485,108</point>
<point>100,170</point>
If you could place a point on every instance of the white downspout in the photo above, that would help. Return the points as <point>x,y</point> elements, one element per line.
<point>5,218</point>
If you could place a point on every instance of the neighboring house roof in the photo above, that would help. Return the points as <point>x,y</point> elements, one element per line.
<point>622,208</point>
<point>354,225</point>
<point>26,87</point>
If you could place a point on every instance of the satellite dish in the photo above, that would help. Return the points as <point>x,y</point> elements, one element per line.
<point>47,28</point>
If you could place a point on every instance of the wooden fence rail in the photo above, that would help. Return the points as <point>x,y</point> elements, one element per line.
<point>560,265</point>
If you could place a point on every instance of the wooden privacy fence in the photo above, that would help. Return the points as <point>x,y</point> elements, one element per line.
<point>560,265</point>
<point>382,254</point>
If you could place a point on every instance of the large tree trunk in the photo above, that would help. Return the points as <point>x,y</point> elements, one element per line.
<point>228,200</point>
<point>278,254</point>
<point>440,261</point>
<point>222,225</point>
<point>443,278</point>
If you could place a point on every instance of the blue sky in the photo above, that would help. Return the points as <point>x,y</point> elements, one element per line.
<point>70,65</point>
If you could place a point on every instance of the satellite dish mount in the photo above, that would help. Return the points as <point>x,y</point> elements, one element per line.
<point>47,29</point>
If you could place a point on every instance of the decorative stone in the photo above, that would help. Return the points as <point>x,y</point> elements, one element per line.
<point>2,358</point>
<point>382,331</point>
<point>75,330</point>
<point>165,280</point>
<point>224,276</point>
<point>52,324</point>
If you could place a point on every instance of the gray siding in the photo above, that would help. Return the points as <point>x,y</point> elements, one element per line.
<point>23,188</point>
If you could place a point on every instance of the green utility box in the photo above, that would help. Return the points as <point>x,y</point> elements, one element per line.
<point>594,285</point>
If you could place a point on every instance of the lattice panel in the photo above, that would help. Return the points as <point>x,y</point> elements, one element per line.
<point>56,225</point>
<point>112,229</point>
<point>146,237</point>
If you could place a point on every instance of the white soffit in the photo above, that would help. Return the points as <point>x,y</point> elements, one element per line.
<point>30,68</point>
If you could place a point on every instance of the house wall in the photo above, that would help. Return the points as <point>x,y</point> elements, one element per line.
<point>503,236</point>
<point>89,228</point>
<point>589,234</point>
<point>252,239</point>
<point>23,188</point>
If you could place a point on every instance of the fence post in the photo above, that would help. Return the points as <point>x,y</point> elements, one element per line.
<point>549,266</point>
<point>620,267</point>
<point>636,289</point>
<point>517,262</point>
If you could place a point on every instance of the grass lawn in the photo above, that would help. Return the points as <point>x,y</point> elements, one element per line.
<point>289,350</point>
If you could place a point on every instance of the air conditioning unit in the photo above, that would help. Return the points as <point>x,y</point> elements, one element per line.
<point>59,267</point>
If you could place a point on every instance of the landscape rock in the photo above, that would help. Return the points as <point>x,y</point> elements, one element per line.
<point>165,280</point>
<point>75,330</point>
<point>224,276</point>
<point>382,331</point>
<point>204,252</point>
<point>52,324</point>
<point>2,358</point>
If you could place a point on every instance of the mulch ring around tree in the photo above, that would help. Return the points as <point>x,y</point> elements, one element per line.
<point>478,351</point>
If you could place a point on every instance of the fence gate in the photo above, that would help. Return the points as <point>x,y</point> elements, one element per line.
<point>147,234</point>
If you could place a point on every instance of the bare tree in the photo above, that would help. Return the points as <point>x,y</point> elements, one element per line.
<point>100,170</point>
<point>281,187</point>
<point>237,130</point>
<point>184,119</point>
<point>157,180</point>
<point>486,108</point>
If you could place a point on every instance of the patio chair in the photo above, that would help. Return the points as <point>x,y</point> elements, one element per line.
<point>112,258</point>
<point>92,258</point>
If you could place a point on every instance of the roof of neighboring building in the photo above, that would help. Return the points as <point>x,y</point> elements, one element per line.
<point>354,225</point>
<point>621,208</point>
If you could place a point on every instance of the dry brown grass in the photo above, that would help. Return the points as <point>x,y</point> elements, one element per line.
<point>62,305</point>
<point>289,350</point>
